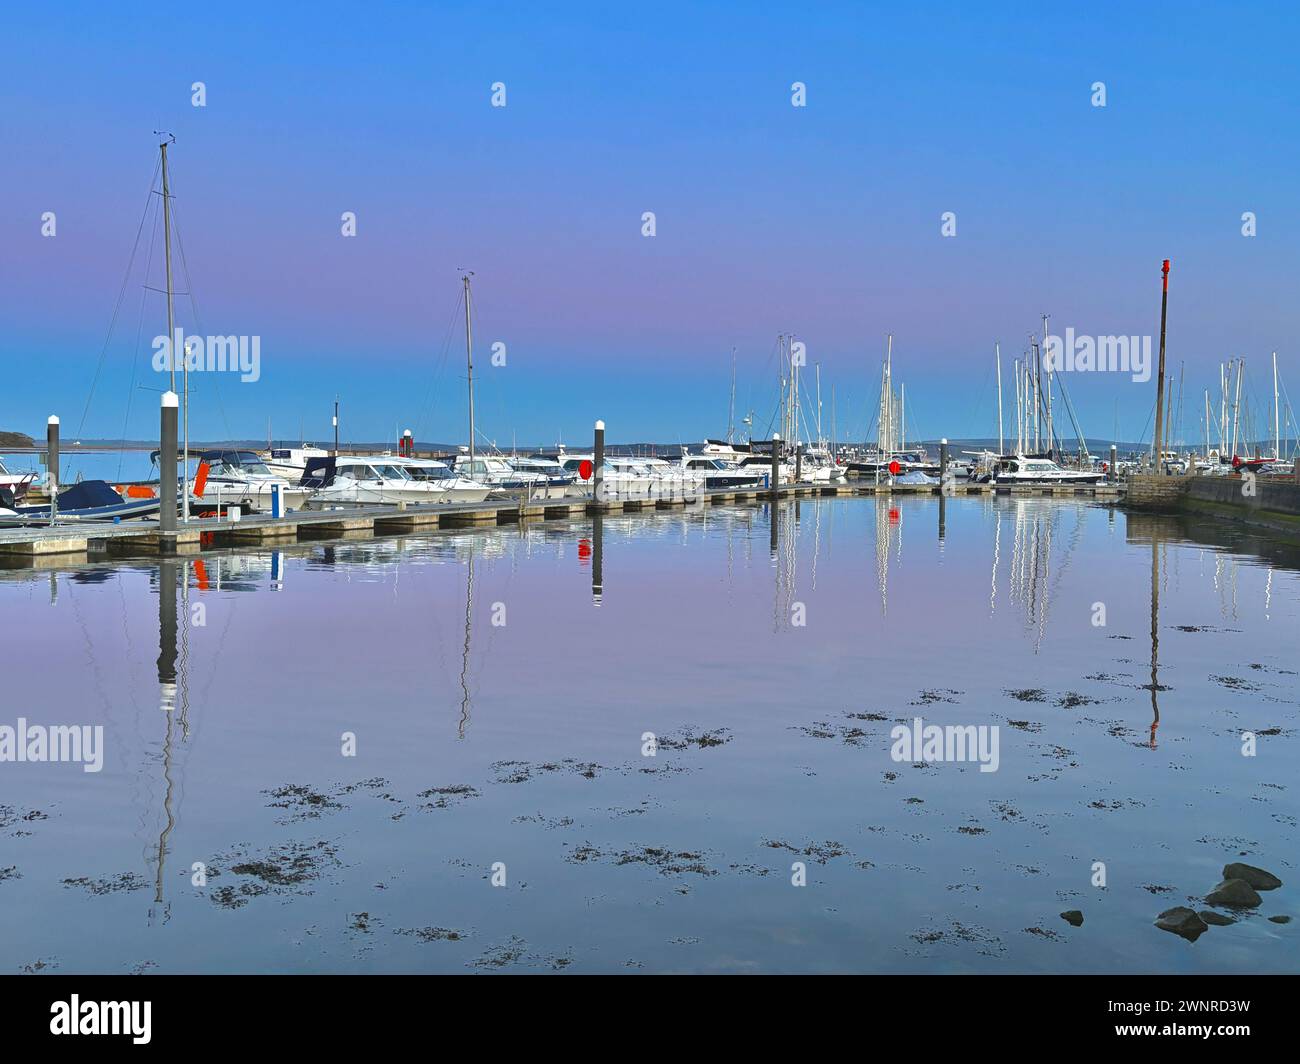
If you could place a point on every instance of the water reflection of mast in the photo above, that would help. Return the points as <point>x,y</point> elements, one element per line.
<point>782,545</point>
<point>997,554</point>
<point>1155,636</point>
<point>464,661</point>
<point>887,518</point>
<point>167,688</point>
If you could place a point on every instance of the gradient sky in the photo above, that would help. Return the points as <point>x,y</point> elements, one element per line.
<point>823,221</point>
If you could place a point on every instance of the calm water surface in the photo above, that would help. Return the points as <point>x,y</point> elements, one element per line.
<point>498,686</point>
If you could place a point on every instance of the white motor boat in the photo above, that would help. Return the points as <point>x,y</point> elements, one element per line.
<point>360,481</point>
<point>718,473</point>
<point>241,478</point>
<point>559,481</point>
<point>15,484</point>
<point>455,488</point>
<point>291,462</point>
<point>622,477</point>
<point>497,473</point>
<point>1019,469</point>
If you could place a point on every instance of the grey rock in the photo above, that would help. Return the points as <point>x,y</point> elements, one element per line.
<point>1073,917</point>
<point>1256,877</point>
<point>1182,921</point>
<point>1280,919</point>
<point>1216,919</point>
<point>1235,894</point>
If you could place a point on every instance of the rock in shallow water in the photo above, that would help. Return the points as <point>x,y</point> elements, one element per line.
<point>1279,919</point>
<point>1216,919</point>
<point>1073,917</point>
<point>1235,894</point>
<point>1256,877</point>
<point>1182,921</point>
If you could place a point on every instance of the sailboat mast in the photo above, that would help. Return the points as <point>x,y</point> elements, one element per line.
<point>1050,434</point>
<point>833,437</point>
<point>1015,376</point>
<point>902,417</point>
<point>819,404</point>
<point>167,247</point>
<point>731,408</point>
<point>889,392</point>
<point>1236,408</point>
<point>171,335</point>
<point>1277,435</point>
<point>469,364</point>
<point>997,358</point>
<point>1207,424</point>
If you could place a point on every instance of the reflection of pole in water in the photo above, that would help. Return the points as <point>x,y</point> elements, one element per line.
<point>997,553</point>
<point>167,702</point>
<point>1155,635</point>
<point>597,557</point>
<point>943,515</point>
<point>464,661</point>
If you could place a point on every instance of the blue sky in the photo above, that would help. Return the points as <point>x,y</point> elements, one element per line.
<point>823,221</point>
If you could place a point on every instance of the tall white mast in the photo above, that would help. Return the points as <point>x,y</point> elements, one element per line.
<point>1015,380</point>
<point>469,364</point>
<point>997,357</point>
<point>731,409</point>
<point>171,336</point>
<point>819,404</point>
<point>1236,407</point>
<point>1277,435</point>
<point>1225,373</point>
<point>1043,354</point>
<point>889,378</point>
<point>902,417</point>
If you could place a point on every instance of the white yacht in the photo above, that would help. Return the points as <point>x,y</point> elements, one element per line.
<point>455,488</point>
<point>15,484</point>
<point>497,473</point>
<point>559,481</point>
<point>361,481</point>
<point>291,462</point>
<point>718,473</point>
<point>241,478</point>
<point>623,477</point>
<point>1019,469</point>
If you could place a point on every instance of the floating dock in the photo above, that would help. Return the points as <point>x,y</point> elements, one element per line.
<point>70,540</point>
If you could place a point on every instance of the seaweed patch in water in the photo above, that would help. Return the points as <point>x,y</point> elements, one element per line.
<point>443,797</point>
<point>109,884</point>
<point>1028,694</point>
<point>284,869</point>
<point>821,852</point>
<point>665,861</point>
<point>434,934</point>
<point>689,738</point>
